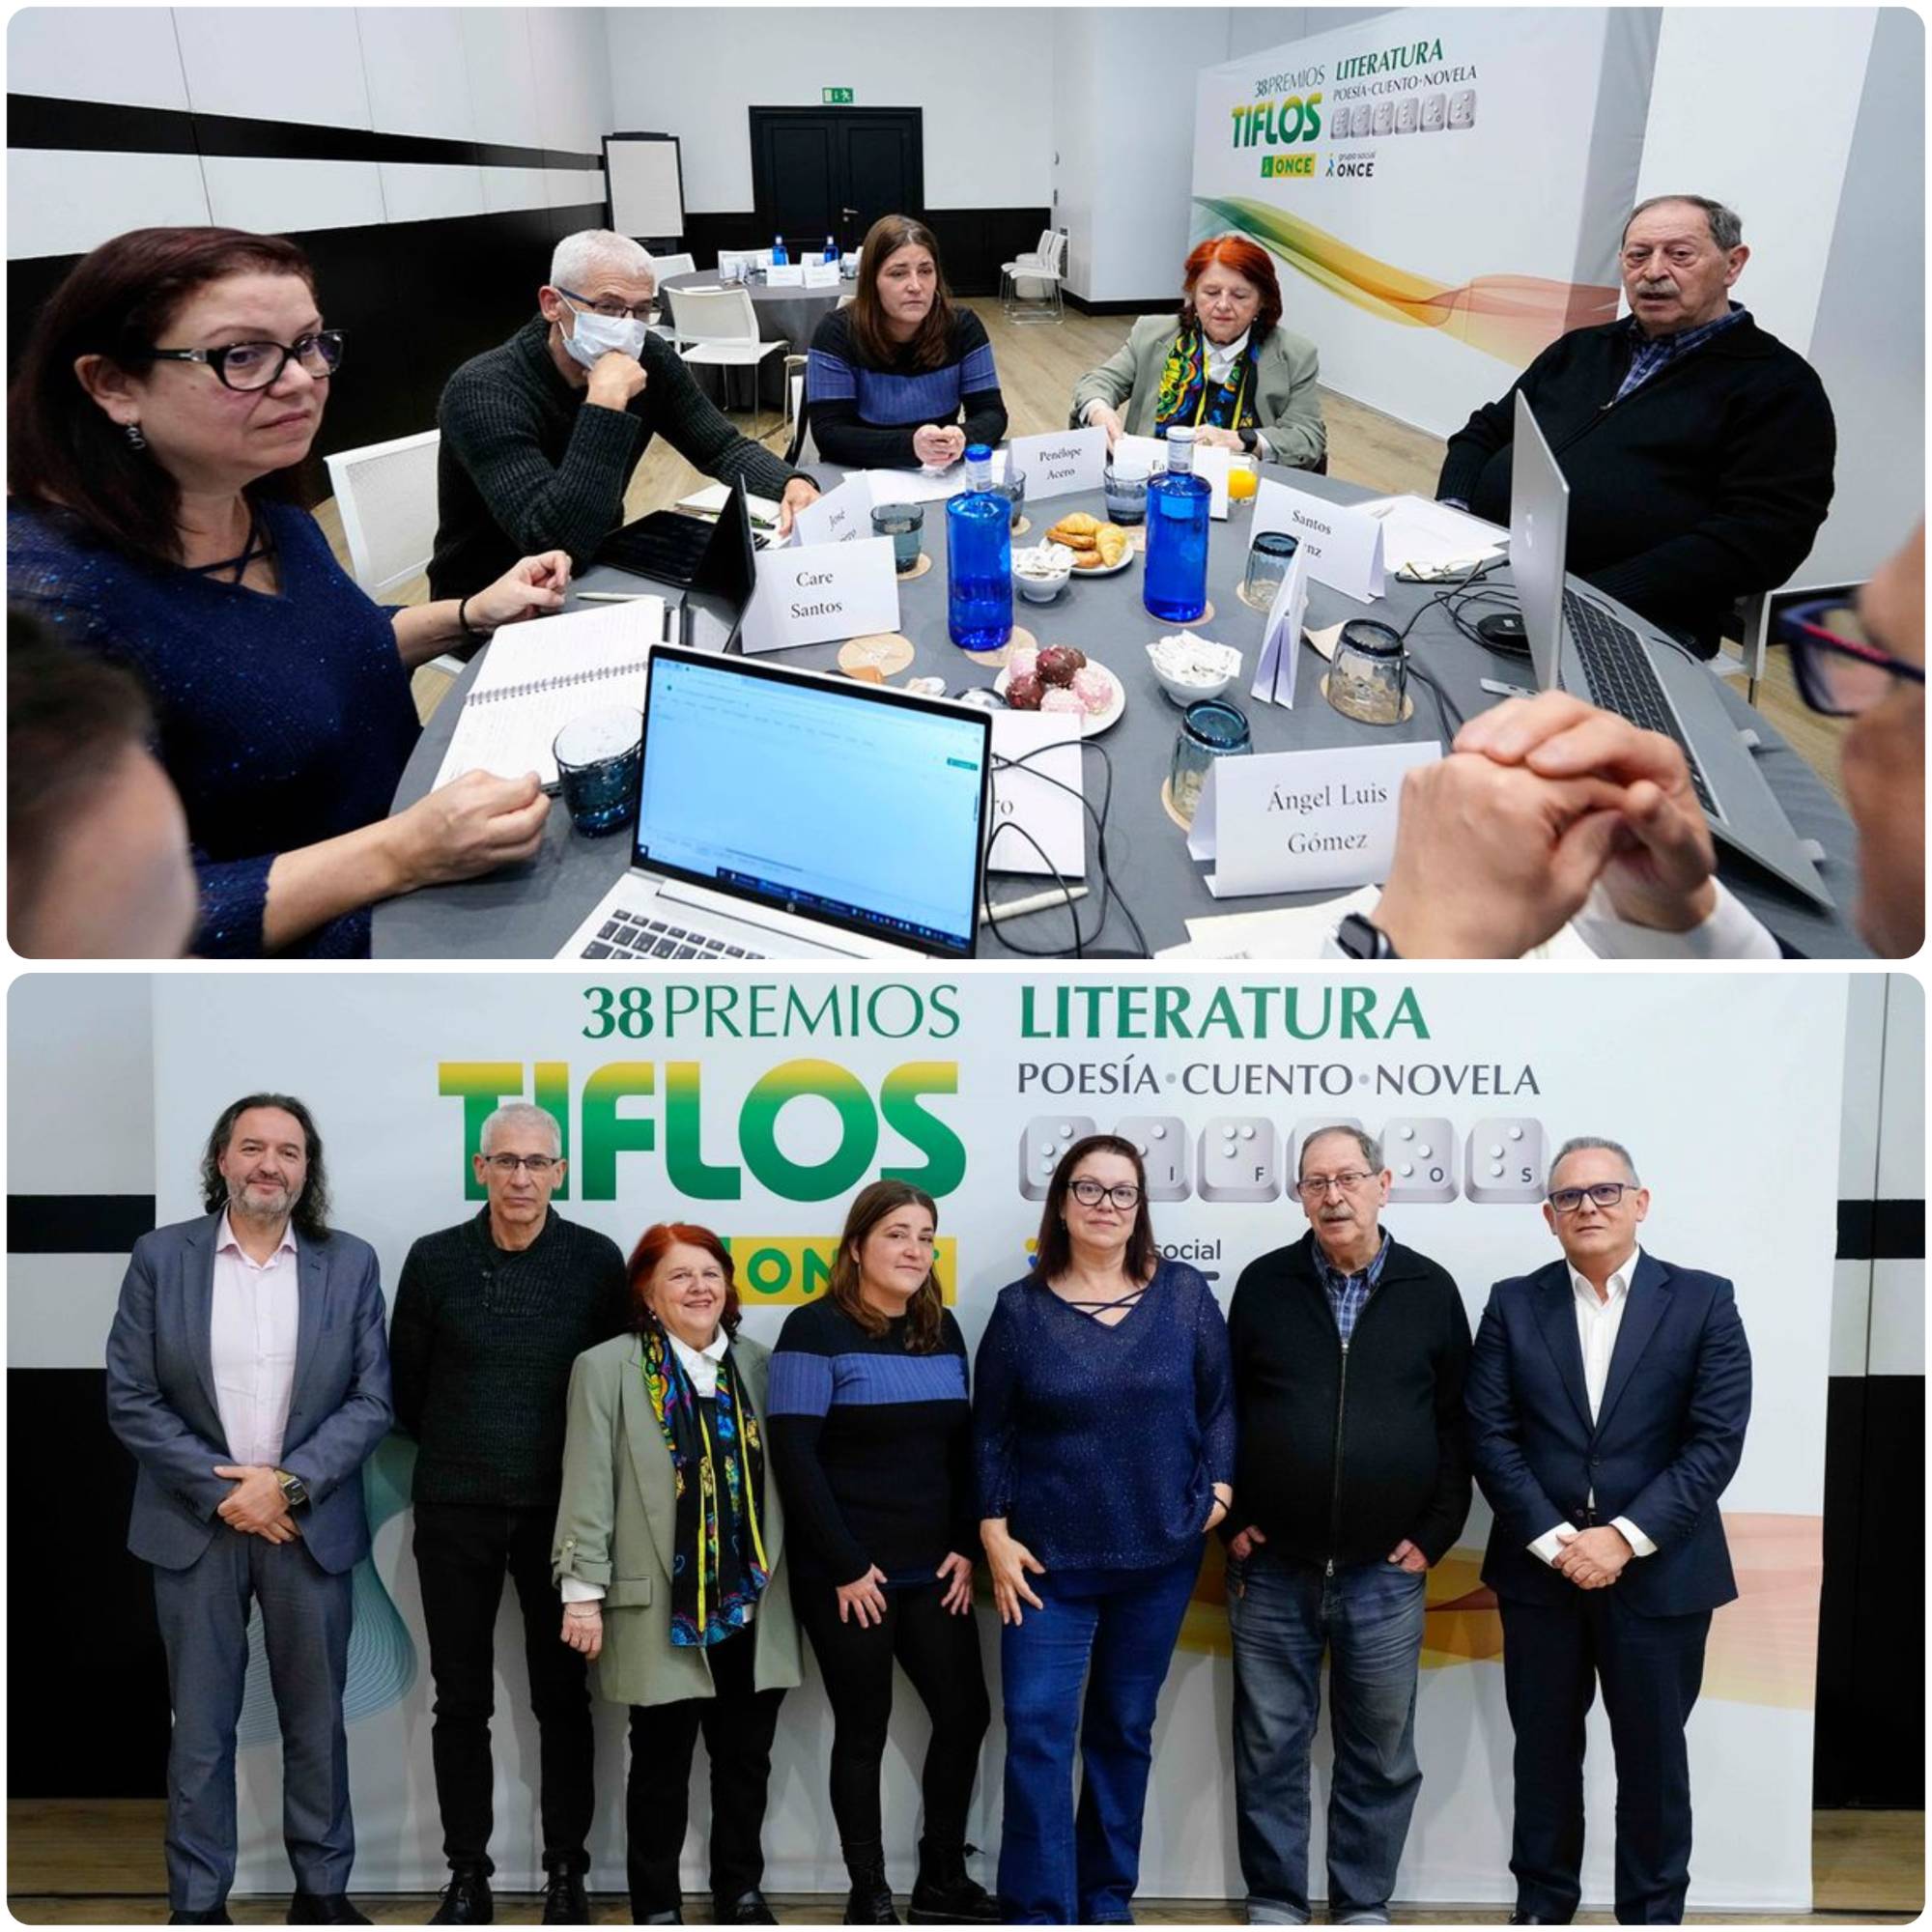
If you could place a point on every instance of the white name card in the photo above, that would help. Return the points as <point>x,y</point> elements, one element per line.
<point>821,275</point>
<point>1145,453</point>
<point>1281,639</point>
<point>1060,464</point>
<point>1302,821</point>
<point>1343,545</point>
<point>1212,466</point>
<point>1037,824</point>
<point>822,593</point>
<point>789,277</point>
<point>840,515</point>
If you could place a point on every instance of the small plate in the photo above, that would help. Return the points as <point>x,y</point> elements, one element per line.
<point>1133,557</point>
<point>1092,724</point>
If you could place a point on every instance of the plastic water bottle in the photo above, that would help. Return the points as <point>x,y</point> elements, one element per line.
<point>1174,586</point>
<point>779,259</point>
<point>979,560</point>
<point>831,250</point>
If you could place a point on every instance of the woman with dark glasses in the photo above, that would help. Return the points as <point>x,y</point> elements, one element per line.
<point>1104,1426</point>
<point>168,392</point>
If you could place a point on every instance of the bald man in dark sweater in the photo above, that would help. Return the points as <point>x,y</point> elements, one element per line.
<point>489,1315</point>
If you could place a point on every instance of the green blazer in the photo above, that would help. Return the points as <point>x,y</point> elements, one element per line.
<point>1287,403</point>
<point>618,1516</point>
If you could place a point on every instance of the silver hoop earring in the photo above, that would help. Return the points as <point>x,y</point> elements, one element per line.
<point>135,440</point>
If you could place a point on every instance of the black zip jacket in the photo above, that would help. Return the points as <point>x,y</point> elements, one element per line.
<point>1705,485</point>
<point>1340,1467</point>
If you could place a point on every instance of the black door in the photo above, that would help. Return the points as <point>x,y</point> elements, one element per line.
<point>818,171</point>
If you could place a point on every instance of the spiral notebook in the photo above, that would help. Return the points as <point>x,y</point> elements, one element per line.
<point>537,676</point>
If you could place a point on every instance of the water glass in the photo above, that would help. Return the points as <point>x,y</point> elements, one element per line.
<point>1369,678</point>
<point>1268,559</point>
<point>902,523</point>
<point>598,759</point>
<point>1013,490</point>
<point>1126,495</point>
<point>1210,730</point>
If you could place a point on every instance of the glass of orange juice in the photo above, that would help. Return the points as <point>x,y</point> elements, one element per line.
<point>1244,475</point>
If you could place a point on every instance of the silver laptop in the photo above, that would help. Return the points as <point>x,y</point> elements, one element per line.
<point>1576,645</point>
<point>786,815</point>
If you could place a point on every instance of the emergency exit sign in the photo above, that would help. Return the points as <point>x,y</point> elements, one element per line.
<point>838,96</point>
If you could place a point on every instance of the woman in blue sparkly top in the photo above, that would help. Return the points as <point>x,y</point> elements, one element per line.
<point>168,391</point>
<point>1104,1433</point>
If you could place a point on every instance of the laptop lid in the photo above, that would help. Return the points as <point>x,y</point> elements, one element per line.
<point>1539,533</point>
<point>850,804</point>
<point>725,576</point>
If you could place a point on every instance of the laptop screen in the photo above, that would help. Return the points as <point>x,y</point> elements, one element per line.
<point>852,805</point>
<point>1539,530</point>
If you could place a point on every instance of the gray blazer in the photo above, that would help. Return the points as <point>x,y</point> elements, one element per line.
<point>1288,402</point>
<point>160,1393</point>
<point>617,1524</point>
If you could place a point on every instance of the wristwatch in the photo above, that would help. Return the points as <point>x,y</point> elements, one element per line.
<point>1248,440</point>
<point>295,1491</point>
<point>1361,940</point>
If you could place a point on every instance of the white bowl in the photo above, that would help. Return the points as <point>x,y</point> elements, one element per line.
<point>1042,589</point>
<point>1184,694</point>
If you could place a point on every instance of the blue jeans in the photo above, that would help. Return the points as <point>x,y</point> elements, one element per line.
<point>1284,1614</point>
<point>1057,1869</point>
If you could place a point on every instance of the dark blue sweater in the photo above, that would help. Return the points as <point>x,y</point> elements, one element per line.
<point>284,720</point>
<point>1101,1446</point>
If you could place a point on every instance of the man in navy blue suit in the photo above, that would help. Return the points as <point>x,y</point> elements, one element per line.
<point>1607,1395</point>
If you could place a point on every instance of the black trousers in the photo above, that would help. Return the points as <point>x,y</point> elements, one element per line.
<point>463,1551</point>
<point>1651,1669</point>
<point>739,1723</point>
<point>940,1655</point>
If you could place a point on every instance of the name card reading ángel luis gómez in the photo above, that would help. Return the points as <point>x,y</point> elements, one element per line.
<point>1343,545</point>
<point>1060,464</point>
<point>1302,821</point>
<point>822,594</point>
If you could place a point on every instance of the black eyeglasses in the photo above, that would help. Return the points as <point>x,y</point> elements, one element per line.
<point>1605,1194</point>
<point>506,1164</point>
<point>611,309</point>
<point>1841,671</point>
<point>259,365</point>
<point>1089,1193</point>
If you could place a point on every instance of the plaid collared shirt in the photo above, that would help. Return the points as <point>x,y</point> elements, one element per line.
<point>1349,1294</point>
<point>1652,355</point>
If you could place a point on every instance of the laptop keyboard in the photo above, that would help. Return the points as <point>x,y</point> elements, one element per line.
<point>629,935</point>
<point>1622,679</point>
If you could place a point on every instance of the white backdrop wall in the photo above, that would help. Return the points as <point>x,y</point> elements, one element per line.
<point>385,1061</point>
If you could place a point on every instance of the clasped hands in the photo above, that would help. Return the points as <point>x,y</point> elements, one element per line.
<point>1500,843</point>
<point>1591,1558</point>
<point>255,1505</point>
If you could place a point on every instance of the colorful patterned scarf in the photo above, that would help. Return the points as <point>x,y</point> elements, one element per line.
<point>1186,396</point>
<point>718,1567</point>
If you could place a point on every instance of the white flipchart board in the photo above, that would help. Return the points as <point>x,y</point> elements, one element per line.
<point>646,188</point>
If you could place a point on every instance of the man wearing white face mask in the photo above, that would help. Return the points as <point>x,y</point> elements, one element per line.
<point>543,432</point>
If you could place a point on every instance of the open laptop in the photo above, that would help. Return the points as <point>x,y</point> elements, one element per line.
<point>1576,645</point>
<point>786,815</point>
<point>671,548</point>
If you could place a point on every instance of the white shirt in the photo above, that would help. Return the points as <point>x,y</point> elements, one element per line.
<point>701,1366</point>
<point>1597,1325</point>
<point>251,1346</point>
<point>1732,932</point>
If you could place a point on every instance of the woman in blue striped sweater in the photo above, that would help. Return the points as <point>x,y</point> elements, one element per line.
<point>871,1442</point>
<point>901,377</point>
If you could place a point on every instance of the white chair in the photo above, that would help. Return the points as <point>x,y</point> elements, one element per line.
<point>1030,284</point>
<point>719,330</point>
<point>386,495</point>
<point>1753,628</point>
<point>674,265</point>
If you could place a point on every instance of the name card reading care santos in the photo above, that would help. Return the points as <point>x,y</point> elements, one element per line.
<point>1062,464</point>
<point>820,594</point>
<point>1302,821</point>
<point>1343,545</point>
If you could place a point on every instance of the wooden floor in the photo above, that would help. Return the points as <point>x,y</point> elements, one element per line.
<point>1040,364</point>
<point>90,1863</point>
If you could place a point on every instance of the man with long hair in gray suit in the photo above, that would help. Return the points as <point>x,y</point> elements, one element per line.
<point>249,1377</point>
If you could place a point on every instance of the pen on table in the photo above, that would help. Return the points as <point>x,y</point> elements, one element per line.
<point>613,596</point>
<point>1035,903</point>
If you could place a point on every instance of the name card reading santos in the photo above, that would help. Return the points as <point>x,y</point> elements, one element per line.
<point>1343,545</point>
<point>1302,821</point>
<point>821,594</point>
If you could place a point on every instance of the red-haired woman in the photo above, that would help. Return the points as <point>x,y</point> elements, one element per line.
<point>1226,367</point>
<point>668,1542</point>
<point>167,393</point>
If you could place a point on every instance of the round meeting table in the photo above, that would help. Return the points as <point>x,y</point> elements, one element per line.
<point>529,911</point>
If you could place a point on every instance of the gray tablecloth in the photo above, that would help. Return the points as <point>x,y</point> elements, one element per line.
<point>530,911</point>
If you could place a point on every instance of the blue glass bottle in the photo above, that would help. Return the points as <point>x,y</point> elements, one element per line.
<point>831,250</point>
<point>1175,583</point>
<point>779,259</point>
<point>979,560</point>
